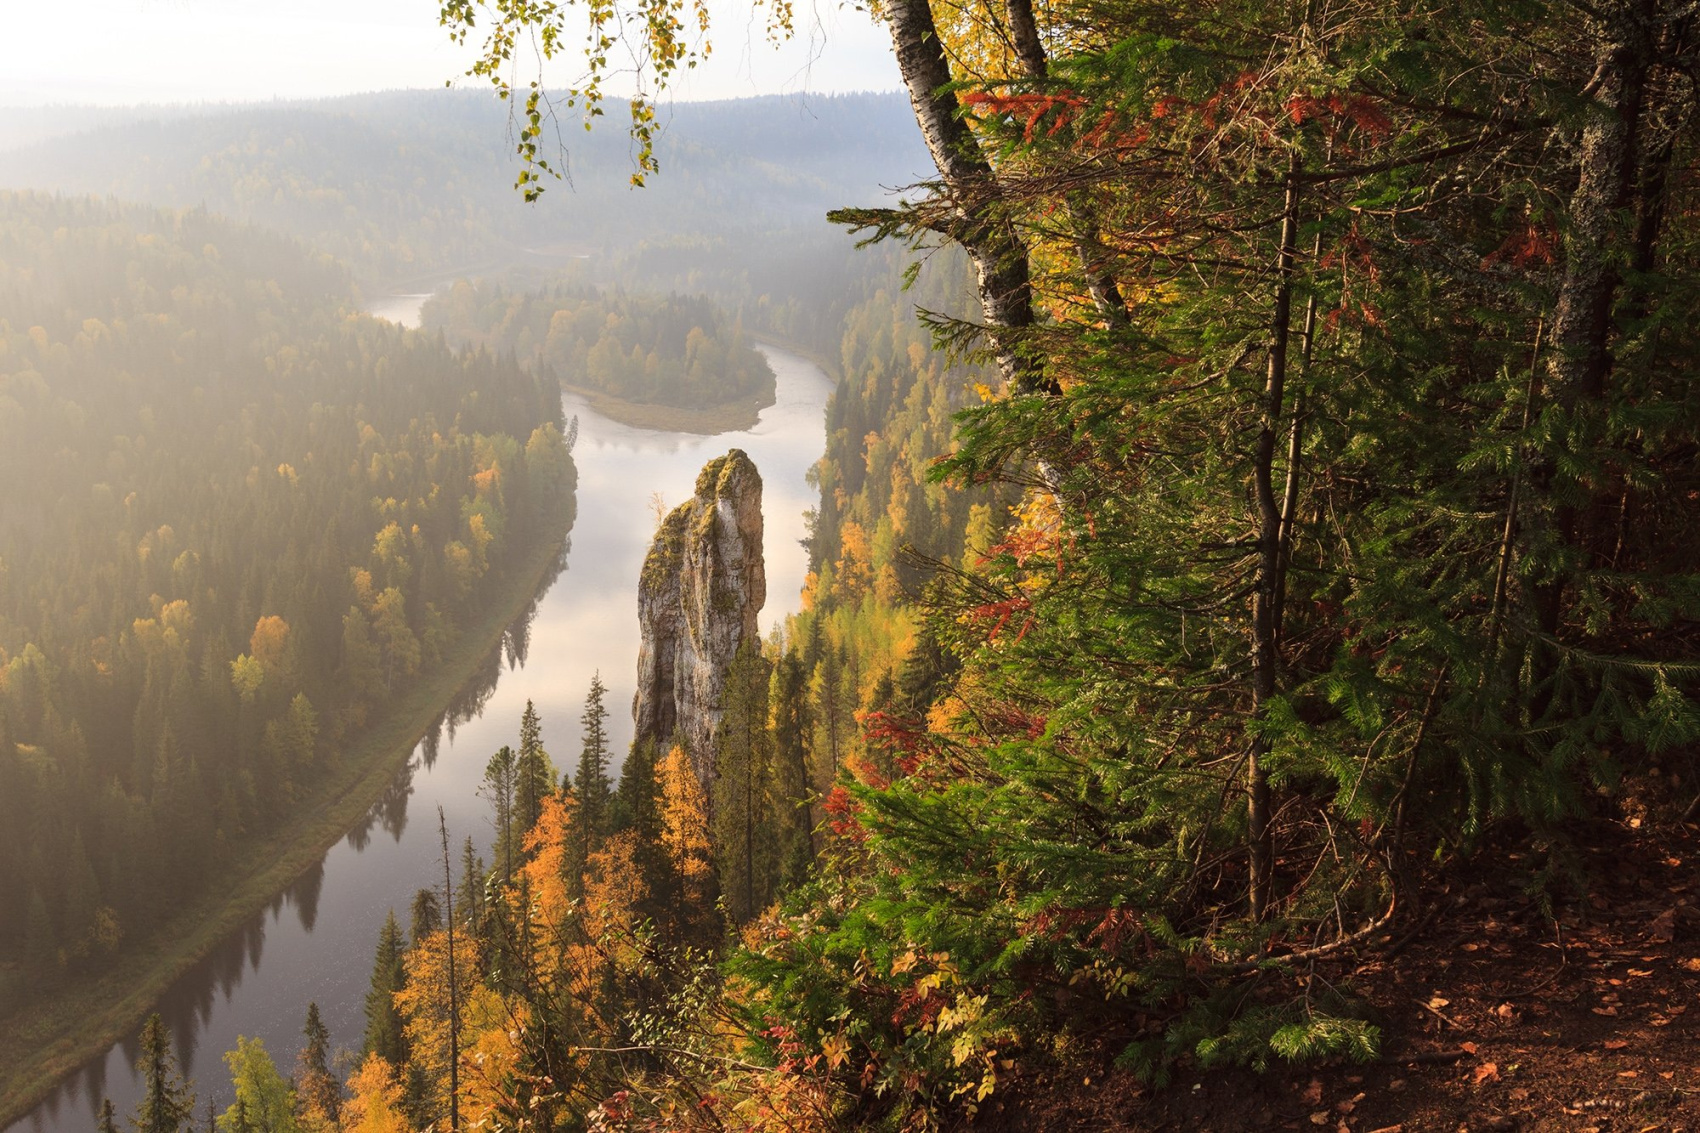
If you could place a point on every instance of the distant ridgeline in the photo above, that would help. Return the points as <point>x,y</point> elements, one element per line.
<point>238,519</point>
<point>678,351</point>
<point>419,183</point>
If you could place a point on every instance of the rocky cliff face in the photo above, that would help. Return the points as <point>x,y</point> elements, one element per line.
<point>703,584</point>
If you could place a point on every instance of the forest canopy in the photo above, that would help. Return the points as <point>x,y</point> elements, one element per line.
<point>240,518</point>
<point>673,350</point>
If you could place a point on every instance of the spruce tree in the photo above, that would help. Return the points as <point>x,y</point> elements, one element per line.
<point>499,786</point>
<point>384,1035</point>
<point>744,833</point>
<point>789,700</point>
<point>427,916</point>
<point>590,781</point>
<point>167,1102</point>
<point>316,1087</point>
<point>469,894</point>
<point>534,774</point>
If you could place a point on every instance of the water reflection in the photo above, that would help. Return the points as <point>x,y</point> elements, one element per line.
<point>316,940</point>
<point>304,894</point>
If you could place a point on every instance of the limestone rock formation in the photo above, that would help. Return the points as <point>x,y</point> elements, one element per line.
<point>704,582</point>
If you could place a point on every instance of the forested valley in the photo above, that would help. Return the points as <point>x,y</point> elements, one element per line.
<point>1246,674</point>
<point>240,519</point>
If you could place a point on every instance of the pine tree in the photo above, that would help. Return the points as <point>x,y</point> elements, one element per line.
<point>384,1037</point>
<point>106,1123</point>
<point>167,1102</point>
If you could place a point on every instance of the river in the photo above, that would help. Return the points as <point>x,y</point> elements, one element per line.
<point>315,942</point>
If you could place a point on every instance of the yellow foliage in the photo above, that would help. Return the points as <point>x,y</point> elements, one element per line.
<point>375,1102</point>
<point>855,564</point>
<point>269,642</point>
<point>613,888</point>
<point>492,1057</point>
<point>361,580</point>
<point>545,873</point>
<point>684,818</point>
<point>423,1003</point>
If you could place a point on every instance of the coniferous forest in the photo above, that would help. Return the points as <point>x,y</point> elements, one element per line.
<point>670,351</point>
<point>240,521</point>
<point>1246,673</point>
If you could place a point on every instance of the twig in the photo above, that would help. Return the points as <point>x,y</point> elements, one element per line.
<point>1563,962</point>
<point>1439,1014</point>
<point>1320,950</point>
<point>1426,1056</point>
<point>1421,926</point>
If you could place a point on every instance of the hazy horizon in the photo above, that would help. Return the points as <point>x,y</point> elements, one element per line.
<point>236,52</point>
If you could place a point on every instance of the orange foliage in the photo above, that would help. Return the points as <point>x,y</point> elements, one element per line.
<point>684,819</point>
<point>375,1104</point>
<point>269,642</point>
<point>423,1003</point>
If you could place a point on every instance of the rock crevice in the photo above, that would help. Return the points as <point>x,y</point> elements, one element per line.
<point>704,581</point>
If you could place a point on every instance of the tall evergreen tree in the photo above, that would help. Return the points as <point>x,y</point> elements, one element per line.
<point>744,834</point>
<point>317,1089</point>
<point>500,783</point>
<point>789,701</point>
<point>534,774</point>
<point>384,1035</point>
<point>167,1104</point>
<point>590,781</point>
<point>469,895</point>
<point>427,915</point>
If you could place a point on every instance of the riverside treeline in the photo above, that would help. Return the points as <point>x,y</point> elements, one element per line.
<point>1341,378</point>
<point>673,350</point>
<point>1336,519</point>
<point>240,517</point>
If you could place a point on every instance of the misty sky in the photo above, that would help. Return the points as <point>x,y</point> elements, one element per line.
<point>127,51</point>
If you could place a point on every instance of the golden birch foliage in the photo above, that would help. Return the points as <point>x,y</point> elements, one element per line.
<point>374,1105</point>
<point>492,1056</point>
<point>545,873</point>
<point>613,889</point>
<point>423,1003</point>
<point>684,820</point>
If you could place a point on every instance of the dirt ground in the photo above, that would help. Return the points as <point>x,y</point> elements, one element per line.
<point>1495,1016</point>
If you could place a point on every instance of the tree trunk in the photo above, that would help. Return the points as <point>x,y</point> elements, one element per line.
<point>997,250</point>
<point>1100,284</point>
<point>1265,647</point>
<point>454,992</point>
<point>1578,360</point>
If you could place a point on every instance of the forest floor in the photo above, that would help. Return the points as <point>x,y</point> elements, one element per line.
<point>1498,1015</point>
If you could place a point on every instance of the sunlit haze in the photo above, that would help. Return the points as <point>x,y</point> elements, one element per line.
<point>130,51</point>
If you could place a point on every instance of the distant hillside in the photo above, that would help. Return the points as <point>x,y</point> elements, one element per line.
<point>408,185</point>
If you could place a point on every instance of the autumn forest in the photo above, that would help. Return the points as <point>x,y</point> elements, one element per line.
<point>1236,666</point>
